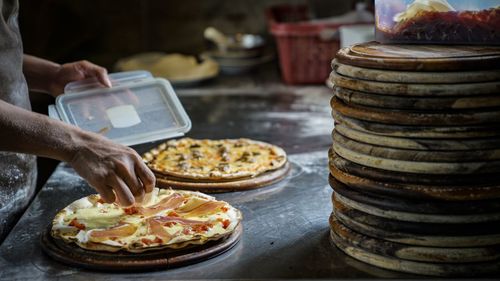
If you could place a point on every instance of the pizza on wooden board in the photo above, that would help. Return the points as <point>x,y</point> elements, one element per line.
<point>215,160</point>
<point>167,219</point>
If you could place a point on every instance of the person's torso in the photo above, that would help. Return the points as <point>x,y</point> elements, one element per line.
<point>17,171</point>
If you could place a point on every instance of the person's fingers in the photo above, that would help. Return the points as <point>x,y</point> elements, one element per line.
<point>127,174</point>
<point>92,70</point>
<point>106,193</point>
<point>145,175</point>
<point>123,193</point>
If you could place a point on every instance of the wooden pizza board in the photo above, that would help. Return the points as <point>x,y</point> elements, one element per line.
<point>447,187</point>
<point>448,193</point>
<point>263,180</point>
<point>407,154</point>
<point>415,253</point>
<point>414,238</point>
<point>418,118</point>
<point>415,90</point>
<point>442,77</point>
<point>408,131</point>
<point>353,97</point>
<point>419,217</point>
<point>477,144</point>
<point>414,205</point>
<point>420,57</point>
<point>162,259</point>
<point>417,167</point>
<point>362,248</point>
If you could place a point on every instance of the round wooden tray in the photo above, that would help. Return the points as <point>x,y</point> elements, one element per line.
<point>383,231</point>
<point>263,180</point>
<point>380,151</point>
<point>487,183</point>
<point>415,90</point>
<point>162,259</point>
<point>353,97</point>
<point>478,144</point>
<point>432,132</point>
<point>414,205</point>
<point>414,76</point>
<point>420,118</point>
<point>420,57</point>
<point>363,248</point>
<point>418,217</point>
<point>415,253</point>
<point>441,168</point>
<point>449,193</point>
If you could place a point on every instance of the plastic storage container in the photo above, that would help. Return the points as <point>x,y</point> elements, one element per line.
<point>438,21</point>
<point>137,109</point>
<point>305,48</point>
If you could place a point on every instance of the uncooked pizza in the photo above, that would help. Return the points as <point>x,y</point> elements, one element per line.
<point>168,219</point>
<point>224,159</point>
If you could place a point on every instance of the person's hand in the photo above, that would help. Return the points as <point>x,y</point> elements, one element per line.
<point>117,172</point>
<point>76,71</point>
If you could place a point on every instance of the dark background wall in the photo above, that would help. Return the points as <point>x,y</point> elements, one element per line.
<point>104,30</point>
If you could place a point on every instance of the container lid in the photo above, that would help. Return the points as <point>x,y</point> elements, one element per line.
<point>136,109</point>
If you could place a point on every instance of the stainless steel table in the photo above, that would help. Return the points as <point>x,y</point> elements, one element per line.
<point>285,225</point>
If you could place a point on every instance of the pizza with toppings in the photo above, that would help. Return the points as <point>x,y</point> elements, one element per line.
<point>215,160</point>
<point>168,219</point>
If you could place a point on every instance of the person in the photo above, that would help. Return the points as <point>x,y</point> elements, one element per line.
<point>116,172</point>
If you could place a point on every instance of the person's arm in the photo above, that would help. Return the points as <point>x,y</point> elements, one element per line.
<point>105,165</point>
<point>49,77</point>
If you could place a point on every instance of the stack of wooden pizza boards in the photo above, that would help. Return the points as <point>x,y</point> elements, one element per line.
<point>217,165</point>
<point>415,161</point>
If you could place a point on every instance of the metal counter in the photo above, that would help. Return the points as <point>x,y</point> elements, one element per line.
<point>285,225</point>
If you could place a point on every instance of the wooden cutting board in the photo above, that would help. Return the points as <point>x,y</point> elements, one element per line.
<point>407,154</point>
<point>353,97</point>
<point>420,118</point>
<point>408,131</point>
<point>476,144</point>
<point>418,77</point>
<point>162,259</point>
<point>451,187</point>
<point>263,180</point>
<point>416,253</point>
<point>420,57</point>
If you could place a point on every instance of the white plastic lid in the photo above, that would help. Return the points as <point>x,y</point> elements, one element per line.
<point>137,109</point>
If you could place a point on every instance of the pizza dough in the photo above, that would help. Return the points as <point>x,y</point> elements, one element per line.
<point>168,219</point>
<point>215,160</point>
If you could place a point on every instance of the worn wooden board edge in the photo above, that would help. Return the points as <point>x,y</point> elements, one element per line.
<point>415,267</point>
<point>424,144</point>
<point>408,131</point>
<point>419,90</point>
<point>416,229</point>
<point>442,77</point>
<point>408,154</point>
<point>414,253</point>
<point>354,97</point>
<point>417,217</point>
<point>417,118</point>
<point>478,62</point>
<point>164,259</point>
<point>411,204</point>
<point>260,181</point>
<point>416,240</point>
<point>421,167</point>
<point>482,184</point>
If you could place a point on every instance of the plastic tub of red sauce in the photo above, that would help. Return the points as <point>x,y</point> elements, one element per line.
<point>438,21</point>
